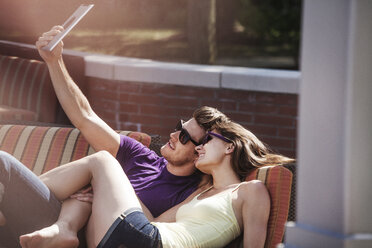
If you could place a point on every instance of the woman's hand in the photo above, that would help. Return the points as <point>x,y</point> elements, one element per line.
<point>44,40</point>
<point>84,195</point>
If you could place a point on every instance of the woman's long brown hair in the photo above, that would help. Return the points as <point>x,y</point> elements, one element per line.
<point>249,152</point>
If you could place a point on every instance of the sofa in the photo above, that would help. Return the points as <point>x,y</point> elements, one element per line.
<point>26,91</point>
<point>42,148</point>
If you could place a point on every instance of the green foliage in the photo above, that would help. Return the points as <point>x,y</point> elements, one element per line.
<point>272,21</point>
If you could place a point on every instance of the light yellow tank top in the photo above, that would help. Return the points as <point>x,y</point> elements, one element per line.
<point>209,222</point>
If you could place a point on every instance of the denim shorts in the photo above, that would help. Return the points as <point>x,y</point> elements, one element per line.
<point>131,229</point>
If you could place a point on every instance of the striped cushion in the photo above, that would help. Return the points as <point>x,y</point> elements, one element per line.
<point>44,148</point>
<point>25,84</point>
<point>278,181</point>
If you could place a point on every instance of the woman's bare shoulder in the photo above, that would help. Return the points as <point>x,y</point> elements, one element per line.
<point>253,188</point>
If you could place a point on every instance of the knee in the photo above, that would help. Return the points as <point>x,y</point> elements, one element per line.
<point>5,157</point>
<point>5,165</point>
<point>6,161</point>
<point>4,154</point>
<point>104,156</point>
<point>103,159</point>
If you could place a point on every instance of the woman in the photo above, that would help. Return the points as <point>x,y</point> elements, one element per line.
<point>211,217</point>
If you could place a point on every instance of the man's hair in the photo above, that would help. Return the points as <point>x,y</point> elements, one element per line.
<point>207,117</point>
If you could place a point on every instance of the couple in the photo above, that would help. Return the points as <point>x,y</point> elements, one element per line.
<point>214,212</point>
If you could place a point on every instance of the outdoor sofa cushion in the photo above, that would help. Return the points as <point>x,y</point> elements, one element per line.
<point>44,148</point>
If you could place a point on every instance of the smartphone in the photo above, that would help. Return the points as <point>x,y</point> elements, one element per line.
<point>79,13</point>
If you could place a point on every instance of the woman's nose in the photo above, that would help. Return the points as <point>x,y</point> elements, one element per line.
<point>198,148</point>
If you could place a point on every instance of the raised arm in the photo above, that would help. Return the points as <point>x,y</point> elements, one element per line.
<point>255,213</point>
<point>73,101</point>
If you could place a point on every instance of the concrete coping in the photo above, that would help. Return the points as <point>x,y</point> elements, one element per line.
<point>150,71</point>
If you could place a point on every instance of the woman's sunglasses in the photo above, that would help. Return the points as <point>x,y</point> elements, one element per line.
<point>184,136</point>
<point>210,135</point>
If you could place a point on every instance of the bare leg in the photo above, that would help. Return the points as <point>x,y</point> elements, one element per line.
<point>113,193</point>
<point>74,215</point>
<point>89,230</point>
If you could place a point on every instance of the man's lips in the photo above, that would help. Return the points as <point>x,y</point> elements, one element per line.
<point>171,145</point>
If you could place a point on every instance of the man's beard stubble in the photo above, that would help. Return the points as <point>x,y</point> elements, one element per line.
<point>178,162</point>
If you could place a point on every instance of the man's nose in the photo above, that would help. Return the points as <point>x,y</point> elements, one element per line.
<point>174,135</point>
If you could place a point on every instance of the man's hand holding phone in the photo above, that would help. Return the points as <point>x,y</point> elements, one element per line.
<point>56,53</point>
<point>50,43</point>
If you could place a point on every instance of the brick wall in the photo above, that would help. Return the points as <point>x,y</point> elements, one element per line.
<point>155,109</point>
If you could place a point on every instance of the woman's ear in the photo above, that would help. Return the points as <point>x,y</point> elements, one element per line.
<point>230,148</point>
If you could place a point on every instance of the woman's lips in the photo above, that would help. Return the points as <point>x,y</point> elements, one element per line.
<point>201,155</point>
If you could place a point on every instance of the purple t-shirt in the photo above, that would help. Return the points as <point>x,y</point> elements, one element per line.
<point>158,189</point>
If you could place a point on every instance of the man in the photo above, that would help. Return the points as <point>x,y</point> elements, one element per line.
<point>160,182</point>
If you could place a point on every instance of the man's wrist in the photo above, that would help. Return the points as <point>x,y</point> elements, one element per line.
<point>54,62</point>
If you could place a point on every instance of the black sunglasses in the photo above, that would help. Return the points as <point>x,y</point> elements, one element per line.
<point>184,136</point>
<point>210,135</point>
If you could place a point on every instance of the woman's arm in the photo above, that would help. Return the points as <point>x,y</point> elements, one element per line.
<point>255,213</point>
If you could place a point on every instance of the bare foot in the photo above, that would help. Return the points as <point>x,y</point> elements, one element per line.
<point>57,235</point>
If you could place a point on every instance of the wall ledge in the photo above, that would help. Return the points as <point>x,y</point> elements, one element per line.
<point>228,77</point>
<point>150,71</point>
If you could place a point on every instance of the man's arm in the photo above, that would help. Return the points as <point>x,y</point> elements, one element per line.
<point>73,101</point>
